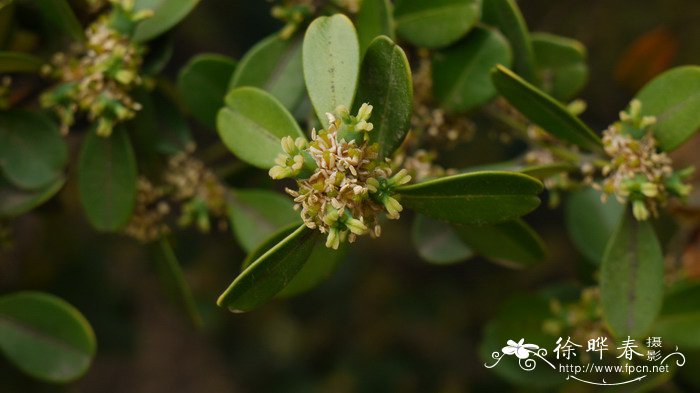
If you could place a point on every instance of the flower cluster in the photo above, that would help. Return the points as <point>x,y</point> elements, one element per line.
<point>637,171</point>
<point>343,186</point>
<point>96,77</point>
<point>186,182</point>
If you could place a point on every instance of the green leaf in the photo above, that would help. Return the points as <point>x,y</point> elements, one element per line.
<point>461,73</point>
<point>271,272</point>
<point>274,65</point>
<point>375,18</point>
<point>506,16</point>
<point>60,16</point>
<point>33,153</point>
<point>474,198</point>
<point>631,278</point>
<point>202,85</point>
<point>385,83</point>
<point>513,243</point>
<point>252,125</point>
<point>674,98</point>
<point>45,337</point>
<point>173,279</point>
<point>437,242</point>
<point>257,214</point>
<point>437,23</point>
<point>15,201</point>
<point>544,171</point>
<point>107,179</point>
<point>319,266</point>
<point>19,62</point>
<point>591,222</point>
<point>331,56</point>
<point>166,14</point>
<point>543,110</point>
<point>561,65</point>
<point>679,320</point>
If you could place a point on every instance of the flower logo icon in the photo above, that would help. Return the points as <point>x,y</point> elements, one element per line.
<point>519,349</point>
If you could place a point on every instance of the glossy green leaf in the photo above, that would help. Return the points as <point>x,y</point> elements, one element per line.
<point>331,57</point>
<point>202,85</point>
<point>631,278</point>
<point>173,280</point>
<point>107,179</point>
<point>19,62</point>
<point>561,65</point>
<point>506,16</point>
<point>385,83</point>
<point>45,337</point>
<point>274,65</point>
<point>33,153</point>
<point>474,198</point>
<point>543,110</point>
<point>674,98</point>
<point>513,243</point>
<point>271,272</point>
<point>321,264</point>
<point>591,222</point>
<point>462,72</point>
<point>256,214</point>
<point>437,242</point>
<point>375,18</point>
<point>437,23</point>
<point>679,320</point>
<point>60,16</point>
<point>166,14</point>
<point>318,267</point>
<point>15,201</point>
<point>252,124</point>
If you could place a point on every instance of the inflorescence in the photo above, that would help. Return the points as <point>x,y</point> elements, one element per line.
<point>343,185</point>
<point>96,77</point>
<point>637,171</point>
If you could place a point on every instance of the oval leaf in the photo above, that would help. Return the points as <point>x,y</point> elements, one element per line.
<point>321,264</point>
<point>591,222</point>
<point>252,125</point>
<point>462,72</point>
<point>32,151</point>
<point>674,98</point>
<point>19,62</point>
<point>331,56</point>
<point>474,198</point>
<point>15,201</point>
<point>437,23</point>
<point>437,242</point>
<point>45,337</point>
<point>561,65</point>
<point>166,14</point>
<point>631,278</point>
<point>271,272</point>
<point>256,214</point>
<point>274,65</point>
<point>202,85</point>
<point>543,110</point>
<point>107,179</point>
<point>506,16</point>
<point>512,243</point>
<point>375,18</point>
<point>385,83</point>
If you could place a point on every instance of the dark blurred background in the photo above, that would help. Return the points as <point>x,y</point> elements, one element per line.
<point>385,321</point>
